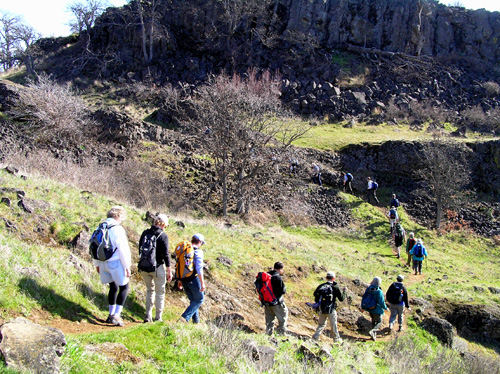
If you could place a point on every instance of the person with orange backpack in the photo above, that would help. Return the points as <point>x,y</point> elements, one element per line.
<point>189,273</point>
<point>271,292</point>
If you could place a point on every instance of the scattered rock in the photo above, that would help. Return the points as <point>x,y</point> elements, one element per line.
<point>6,201</point>
<point>114,352</point>
<point>31,347</point>
<point>225,261</point>
<point>309,355</point>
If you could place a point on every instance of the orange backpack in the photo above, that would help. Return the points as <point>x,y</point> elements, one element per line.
<point>184,253</point>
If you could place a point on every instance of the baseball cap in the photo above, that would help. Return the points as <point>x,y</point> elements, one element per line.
<point>400,278</point>
<point>330,274</point>
<point>199,237</point>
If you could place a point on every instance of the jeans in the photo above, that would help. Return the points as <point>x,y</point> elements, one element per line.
<point>193,292</point>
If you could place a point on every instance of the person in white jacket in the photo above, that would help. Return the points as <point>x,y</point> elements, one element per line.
<point>116,270</point>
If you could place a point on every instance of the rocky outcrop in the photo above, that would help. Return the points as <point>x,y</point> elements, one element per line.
<point>28,346</point>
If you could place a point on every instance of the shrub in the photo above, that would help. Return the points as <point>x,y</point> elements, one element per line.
<point>48,108</point>
<point>492,88</point>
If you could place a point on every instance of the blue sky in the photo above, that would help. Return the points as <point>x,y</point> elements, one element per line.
<point>52,20</point>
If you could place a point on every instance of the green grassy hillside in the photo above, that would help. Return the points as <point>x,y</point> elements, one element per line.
<point>43,278</point>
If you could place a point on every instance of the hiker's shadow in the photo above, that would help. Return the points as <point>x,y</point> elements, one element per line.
<point>54,303</point>
<point>60,306</point>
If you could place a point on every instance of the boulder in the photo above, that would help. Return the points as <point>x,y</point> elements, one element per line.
<point>261,355</point>
<point>28,346</point>
<point>440,328</point>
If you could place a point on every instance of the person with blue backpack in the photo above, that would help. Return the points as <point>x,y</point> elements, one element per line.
<point>393,217</point>
<point>373,302</point>
<point>115,270</point>
<point>371,190</point>
<point>419,253</point>
<point>397,297</point>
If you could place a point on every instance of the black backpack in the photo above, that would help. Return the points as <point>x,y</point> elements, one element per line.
<point>326,299</point>
<point>349,177</point>
<point>147,252</point>
<point>395,293</point>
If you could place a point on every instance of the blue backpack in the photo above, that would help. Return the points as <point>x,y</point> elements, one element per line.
<point>368,301</point>
<point>418,251</point>
<point>374,185</point>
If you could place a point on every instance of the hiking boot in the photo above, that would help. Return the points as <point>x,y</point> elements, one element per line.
<point>109,319</point>
<point>147,319</point>
<point>400,328</point>
<point>159,319</point>
<point>391,326</point>
<point>181,320</point>
<point>117,321</point>
<point>373,334</point>
<point>338,341</point>
<point>420,273</point>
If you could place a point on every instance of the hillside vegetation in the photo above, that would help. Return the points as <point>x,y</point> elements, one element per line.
<point>45,279</point>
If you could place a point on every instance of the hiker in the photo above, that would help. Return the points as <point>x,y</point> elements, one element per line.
<point>393,217</point>
<point>316,174</point>
<point>278,311</point>
<point>399,238</point>
<point>154,266</point>
<point>116,270</point>
<point>348,181</point>
<point>373,302</point>
<point>294,165</point>
<point>194,284</point>
<point>419,252</point>
<point>409,245</point>
<point>371,190</point>
<point>326,295</point>
<point>394,201</point>
<point>397,296</point>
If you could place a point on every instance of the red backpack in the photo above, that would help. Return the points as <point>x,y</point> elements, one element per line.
<point>265,289</point>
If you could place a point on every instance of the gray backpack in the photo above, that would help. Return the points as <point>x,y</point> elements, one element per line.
<point>100,247</point>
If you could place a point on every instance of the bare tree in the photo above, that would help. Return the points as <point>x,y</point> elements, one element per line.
<point>149,13</point>
<point>242,124</point>
<point>8,40</point>
<point>85,14</point>
<point>16,38</point>
<point>445,172</point>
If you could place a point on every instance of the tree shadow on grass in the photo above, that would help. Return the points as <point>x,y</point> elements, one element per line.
<point>60,306</point>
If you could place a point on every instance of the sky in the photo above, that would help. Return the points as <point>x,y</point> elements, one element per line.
<point>49,18</point>
<point>52,20</point>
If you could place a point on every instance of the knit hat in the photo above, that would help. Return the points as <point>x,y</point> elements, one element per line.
<point>376,282</point>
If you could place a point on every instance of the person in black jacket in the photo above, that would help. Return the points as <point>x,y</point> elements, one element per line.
<point>397,296</point>
<point>279,311</point>
<point>155,280</point>
<point>326,295</point>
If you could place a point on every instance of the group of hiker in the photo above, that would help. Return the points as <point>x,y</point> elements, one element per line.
<point>112,258</point>
<point>271,290</point>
